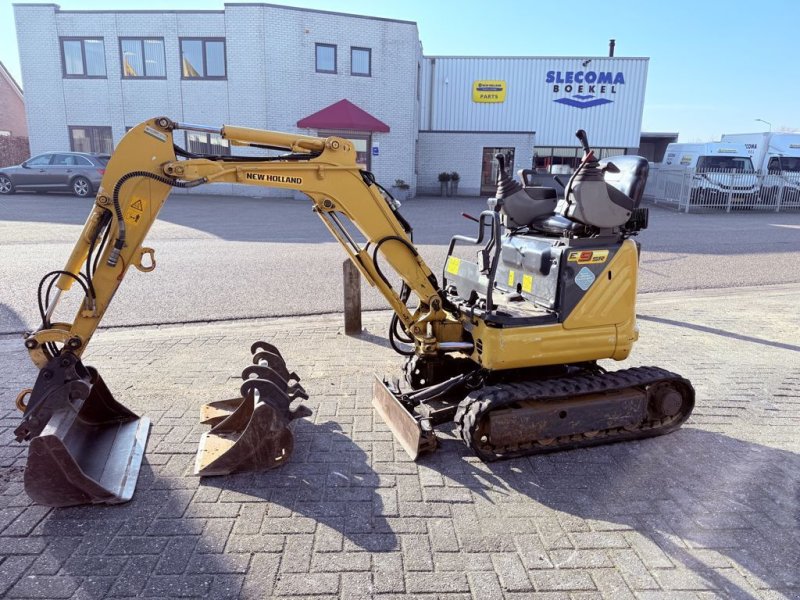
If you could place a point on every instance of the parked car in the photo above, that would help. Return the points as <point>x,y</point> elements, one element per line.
<point>76,172</point>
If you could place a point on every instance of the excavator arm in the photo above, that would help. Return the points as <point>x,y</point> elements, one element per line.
<point>145,167</point>
<point>85,446</point>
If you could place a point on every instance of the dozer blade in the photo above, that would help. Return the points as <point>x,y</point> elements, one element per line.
<point>414,435</point>
<point>255,436</point>
<point>85,447</point>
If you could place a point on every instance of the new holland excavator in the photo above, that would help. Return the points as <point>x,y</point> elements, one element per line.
<point>504,346</point>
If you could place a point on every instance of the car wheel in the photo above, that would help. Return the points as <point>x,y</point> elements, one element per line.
<point>6,187</point>
<point>81,187</point>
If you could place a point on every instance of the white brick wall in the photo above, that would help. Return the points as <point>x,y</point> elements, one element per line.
<point>463,152</point>
<point>271,79</point>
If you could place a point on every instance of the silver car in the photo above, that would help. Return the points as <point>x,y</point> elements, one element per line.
<point>76,172</point>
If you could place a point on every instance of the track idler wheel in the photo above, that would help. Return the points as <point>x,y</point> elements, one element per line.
<point>252,432</point>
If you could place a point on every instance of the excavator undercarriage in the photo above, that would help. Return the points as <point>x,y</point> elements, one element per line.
<point>505,349</point>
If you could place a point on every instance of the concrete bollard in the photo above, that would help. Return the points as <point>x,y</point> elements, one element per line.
<point>352,298</point>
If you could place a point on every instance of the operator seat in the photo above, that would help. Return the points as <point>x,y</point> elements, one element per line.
<point>625,174</point>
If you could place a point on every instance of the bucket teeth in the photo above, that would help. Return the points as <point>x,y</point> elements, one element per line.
<point>253,432</point>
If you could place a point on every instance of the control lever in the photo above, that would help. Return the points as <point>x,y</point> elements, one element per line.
<point>581,135</point>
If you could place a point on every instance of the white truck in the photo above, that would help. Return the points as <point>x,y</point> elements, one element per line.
<point>722,172</point>
<point>776,157</point>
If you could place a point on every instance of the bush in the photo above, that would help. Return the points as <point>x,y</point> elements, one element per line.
<point>454,176</point>
<point>13,150</point>
<point>444,177</point>
<point>401,185</point>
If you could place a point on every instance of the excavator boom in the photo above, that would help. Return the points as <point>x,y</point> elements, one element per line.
<point>78,432</point>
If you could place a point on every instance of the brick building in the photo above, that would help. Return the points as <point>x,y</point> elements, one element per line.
<point>12,106</point>
<point>89,75</point>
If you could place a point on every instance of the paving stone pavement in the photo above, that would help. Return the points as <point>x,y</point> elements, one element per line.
<point>711,511</point>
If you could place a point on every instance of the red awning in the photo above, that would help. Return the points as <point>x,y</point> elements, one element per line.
<point>343,115</point>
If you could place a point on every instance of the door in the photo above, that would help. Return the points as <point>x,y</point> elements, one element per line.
<point>489,168</point>
<point>62,169</point>
<point>35,174</point>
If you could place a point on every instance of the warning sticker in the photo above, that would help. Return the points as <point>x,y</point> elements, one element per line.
<point>588,257</point>
<point>527,283</point>
<point>137,205</point>
<point>132,217</point>
<point>511,278</point>
<point>452,265</point>
<point>584,279</point>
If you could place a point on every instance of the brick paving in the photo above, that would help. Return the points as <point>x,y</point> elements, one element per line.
<point>711,511</point>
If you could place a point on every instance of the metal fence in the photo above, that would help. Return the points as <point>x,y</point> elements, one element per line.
<point>723,189</point>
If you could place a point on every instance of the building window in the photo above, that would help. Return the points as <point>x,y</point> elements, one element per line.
<point>83,57</point>
<point>203,58</point>
<point>5,133</point>
<point>90,139</point>
<point>207,143</point>
<point>361,62</point>
<point>142,58</point>
<point>326,58</point>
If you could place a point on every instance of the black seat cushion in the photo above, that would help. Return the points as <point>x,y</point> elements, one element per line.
<point>556,224</point>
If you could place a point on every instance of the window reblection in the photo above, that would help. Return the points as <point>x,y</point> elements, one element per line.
<point>142,57</point>
<point>201,58</point>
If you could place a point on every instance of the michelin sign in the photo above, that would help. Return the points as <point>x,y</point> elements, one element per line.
<point>585,89</point>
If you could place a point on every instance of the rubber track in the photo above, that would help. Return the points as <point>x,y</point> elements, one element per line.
<point>475,407</point>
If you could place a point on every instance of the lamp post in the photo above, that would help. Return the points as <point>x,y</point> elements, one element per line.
<point>767,122</point>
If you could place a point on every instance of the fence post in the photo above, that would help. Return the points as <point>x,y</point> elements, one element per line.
<point>352,298</point>
<point>730,192</point>
<point>688,196</point>
<point>779,194</point>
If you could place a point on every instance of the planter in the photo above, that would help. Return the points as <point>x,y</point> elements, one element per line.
<point>401,194</point>
<point>453,188</point>
<point>444,189</point>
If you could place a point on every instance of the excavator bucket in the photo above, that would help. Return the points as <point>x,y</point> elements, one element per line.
<point>85,447</point>
<point>252,433</point>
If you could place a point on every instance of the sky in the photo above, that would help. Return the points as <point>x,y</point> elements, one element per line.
<point>716,66</point>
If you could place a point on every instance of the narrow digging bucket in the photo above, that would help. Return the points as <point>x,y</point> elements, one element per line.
<point>252,432</point>
<point>90,448</point>
<point>255,437</point>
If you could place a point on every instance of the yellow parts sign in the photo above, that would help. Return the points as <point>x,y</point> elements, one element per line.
<point>588,257</point>
<point>486,91</point>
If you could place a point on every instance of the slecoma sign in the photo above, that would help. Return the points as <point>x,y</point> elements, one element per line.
<point>584,86</point>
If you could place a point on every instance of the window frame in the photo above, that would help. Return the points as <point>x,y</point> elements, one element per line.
<point>49,156</point>
<point>335,58</point>
<point>369,53</point>
<point>82,40</point>
<point>204,41</point>
<point>141,45</point>
<point>72,141</point>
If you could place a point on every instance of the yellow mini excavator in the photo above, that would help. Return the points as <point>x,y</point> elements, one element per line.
<point>505,346</point>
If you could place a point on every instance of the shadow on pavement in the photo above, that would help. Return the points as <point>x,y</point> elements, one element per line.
<point>693,497</point>
<point>328,480</point>
<point>716,331</point>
